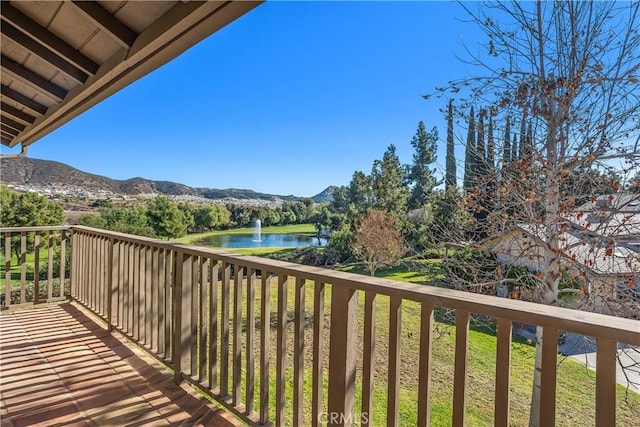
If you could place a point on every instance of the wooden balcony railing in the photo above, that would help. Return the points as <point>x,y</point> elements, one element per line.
<point>287,344</point>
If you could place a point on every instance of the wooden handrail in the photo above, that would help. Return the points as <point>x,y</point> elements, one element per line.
<point>579,322</point>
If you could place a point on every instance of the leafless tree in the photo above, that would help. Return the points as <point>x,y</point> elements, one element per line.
<point>567,72</point>
<point>377,241</point>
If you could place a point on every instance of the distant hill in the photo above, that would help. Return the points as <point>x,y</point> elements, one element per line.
<point>46,173</point>
<point>325,196</point>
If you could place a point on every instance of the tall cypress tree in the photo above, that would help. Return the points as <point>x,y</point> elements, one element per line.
<point>523,138</point>
<point>506,147</point>
<point>529,146</point>
<point>469,166</point>
<point>490,147</point>
<point>481,153</point>
<point>514,148</point>
<point>450,177</point>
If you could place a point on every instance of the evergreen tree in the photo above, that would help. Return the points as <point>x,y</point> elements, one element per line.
<point>480,154</point>
<point>166,218</point>
<point>469,166</point>
<point>490,147</point>
<point>523,138</point>
<point>450,179</point>
<point>514,148</point>
<point>387,182</point>
<point>420,175</point>
<point>506,147</point>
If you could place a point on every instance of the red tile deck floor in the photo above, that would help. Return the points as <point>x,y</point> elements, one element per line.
<point>58,366</point>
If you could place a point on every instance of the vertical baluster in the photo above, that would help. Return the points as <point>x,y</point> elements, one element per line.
<point>605,382</point>
<point>395,330</point>
<point>281,348</point>
<point>112,289</point>
<point>186,334</point>
<point>89,271</point>
<point>148,282</point>
<point>503,369</point>
<point>193,312</point>
<point>203,321</point>
<point>73,268</point>
<point>177,341</point>
<point>298,352</point>
<point>36,268</point>
<point>142,294</point>
<point>213,323</point>
<point>265,327</point>
<point>460,373</point>
<point>169,313</point>
<point>50,268</point>
<point>368,357</point>
<point>251,326</point>
<point>136,291</point>
<point>548,376</point>
<point>118,281</point>
<point>7,269</point>
<point>160,307</point>
<point>153,297</point>
<point>63,261</point>
<point>318,353</point>
<point>424,370</point>
<point>101,266</point>
<point>132,287</point>
<point>237,333</point>
<point>342,354</point>
<point>23,267</point>
<point>224,330</point>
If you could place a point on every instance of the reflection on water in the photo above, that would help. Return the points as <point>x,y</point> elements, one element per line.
<point>267,241</point>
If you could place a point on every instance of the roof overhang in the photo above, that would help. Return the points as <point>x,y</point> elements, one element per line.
<point>60,58</point>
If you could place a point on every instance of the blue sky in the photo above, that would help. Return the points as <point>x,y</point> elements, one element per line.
<point>289,99</point>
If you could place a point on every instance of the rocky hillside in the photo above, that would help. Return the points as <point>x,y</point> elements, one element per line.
<point>36,173</point>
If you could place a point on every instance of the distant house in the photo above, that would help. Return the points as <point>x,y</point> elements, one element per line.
<point>600,249</point>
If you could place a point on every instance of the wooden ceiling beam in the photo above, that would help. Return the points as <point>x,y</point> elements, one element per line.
<point>22,100</point>
<point>5,140</point>
<point>12,123</point>
<point>32,79</point>
<point>8,130</point>
<point>44,52</point>
<point>107,22</point>
<point>48,40</point>
<point>16,113</point>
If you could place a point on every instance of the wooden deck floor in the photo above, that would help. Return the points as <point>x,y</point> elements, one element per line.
<point>58,366</point>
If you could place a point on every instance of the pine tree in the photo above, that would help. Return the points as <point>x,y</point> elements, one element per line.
<point>388,184</point>
<point>420,175</point>
<point>469,166</point>
<point>450,180</point>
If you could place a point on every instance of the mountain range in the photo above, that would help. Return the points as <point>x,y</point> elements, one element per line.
<point>31,172</point>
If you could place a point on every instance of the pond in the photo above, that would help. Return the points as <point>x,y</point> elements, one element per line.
<point>266,241</point>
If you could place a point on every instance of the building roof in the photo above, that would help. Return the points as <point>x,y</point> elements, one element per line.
<point>60,58</point>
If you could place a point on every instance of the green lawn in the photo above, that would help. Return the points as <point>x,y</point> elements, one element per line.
<point>16,268</point>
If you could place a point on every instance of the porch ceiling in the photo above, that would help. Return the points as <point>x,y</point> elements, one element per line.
<point>60,58</point>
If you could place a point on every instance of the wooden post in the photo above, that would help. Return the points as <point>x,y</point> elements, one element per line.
<point>342,347</point>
